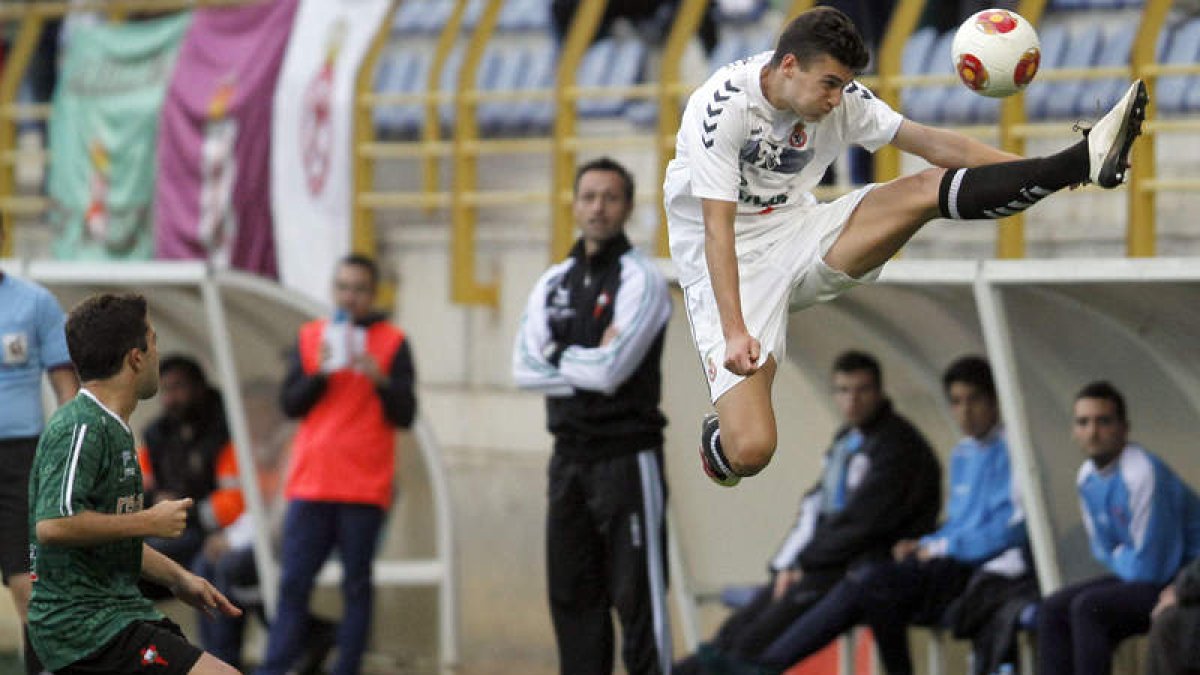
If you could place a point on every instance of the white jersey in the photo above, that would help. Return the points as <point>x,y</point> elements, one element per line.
<point>735,146</point>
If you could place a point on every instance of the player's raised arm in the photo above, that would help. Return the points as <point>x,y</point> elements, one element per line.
<point>947,149</point>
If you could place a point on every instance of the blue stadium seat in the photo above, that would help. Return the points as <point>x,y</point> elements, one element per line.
<point>1082,52</point>
<point>617,65</point>
<point>408,17</point>
<point>405,71</point>
<point>1184,47</point>
<point>924,103</point>
<point>504,74</point>
<point>1097,96</point>
<point>916,57</point>
<point>536,116</point>
<point>749,12</point>
<point>1054,49</point>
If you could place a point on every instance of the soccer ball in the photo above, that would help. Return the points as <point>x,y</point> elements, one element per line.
<point>996,53</point>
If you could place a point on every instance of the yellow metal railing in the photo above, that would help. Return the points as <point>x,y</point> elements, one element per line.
<point>464,197</point>
<point>687,20</point>
<point>465,286</point>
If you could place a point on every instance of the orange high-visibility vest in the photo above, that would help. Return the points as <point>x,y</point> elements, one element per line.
<point>344,450</point>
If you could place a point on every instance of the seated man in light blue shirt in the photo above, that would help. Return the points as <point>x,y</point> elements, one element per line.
<point>985,525</point>
<point>1144,526</point>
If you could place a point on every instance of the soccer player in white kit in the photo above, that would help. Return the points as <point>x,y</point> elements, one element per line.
<point>750,241</point>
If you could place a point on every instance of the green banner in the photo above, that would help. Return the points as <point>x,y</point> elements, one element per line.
<point>103,128</point>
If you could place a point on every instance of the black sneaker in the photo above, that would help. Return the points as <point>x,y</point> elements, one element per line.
<point>715,466</point>
<point>1110,139</point>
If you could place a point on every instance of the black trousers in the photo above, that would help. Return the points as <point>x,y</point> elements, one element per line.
<point>887,596</point>
<point>747,631</point>
<point>606,545</point>
<point>1080,626</point>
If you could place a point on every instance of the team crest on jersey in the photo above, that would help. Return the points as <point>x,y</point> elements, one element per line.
<point>602,301</point>
<point>799,137</point>
<point>764,154</point>
<point>151,657</point>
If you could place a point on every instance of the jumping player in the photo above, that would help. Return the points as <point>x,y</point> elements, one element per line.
<point>750,240</point>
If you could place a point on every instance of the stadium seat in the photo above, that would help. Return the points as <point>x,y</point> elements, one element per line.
<point>536,116</point>
<point>916,56</point>
<point>1183,47</point>
<point>611,63</point>
<point>1097,96</point>
<point>924,103</point>
<point>1082,52</point>
<point>404,71</point>
<point>742,12</point>
<point>1054,48</point>
<point>504,69</point>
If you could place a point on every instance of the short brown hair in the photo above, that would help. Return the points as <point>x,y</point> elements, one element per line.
<point>102,329</point>
<point>822,30</point>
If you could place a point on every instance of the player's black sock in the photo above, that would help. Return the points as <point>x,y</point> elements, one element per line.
<point>999,190</point>
<point>710,442</point>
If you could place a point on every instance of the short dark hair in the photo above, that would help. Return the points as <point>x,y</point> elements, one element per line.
<point>360,260</point>
<point>822,30</point>
<point>102,329</point>
<point>854,360</point>
<point>185,364</point>
<point>970,370</point>
<point>607,164</point>
<point>1104,390</point>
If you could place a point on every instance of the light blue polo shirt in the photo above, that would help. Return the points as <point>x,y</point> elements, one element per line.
<point>32,340</point>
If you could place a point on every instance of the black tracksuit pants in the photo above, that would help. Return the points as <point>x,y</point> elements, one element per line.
<point>1080,626</point>
<point>606,548</point>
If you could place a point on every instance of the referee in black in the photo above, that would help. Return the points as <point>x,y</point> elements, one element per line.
<point>591,340</point>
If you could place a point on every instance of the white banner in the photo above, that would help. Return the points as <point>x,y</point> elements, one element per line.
<point>311,159</point>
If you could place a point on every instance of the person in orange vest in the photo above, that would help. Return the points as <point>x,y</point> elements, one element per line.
<point>351,380</point>
<point>187,452</point>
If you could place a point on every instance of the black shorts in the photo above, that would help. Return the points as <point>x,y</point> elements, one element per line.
<point>151,647</point>
<point>16,459</point>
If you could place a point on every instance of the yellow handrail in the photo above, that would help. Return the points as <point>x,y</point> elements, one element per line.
<point>799,6</point>
<point>362,220</point>
<point>14,69</point>
<point>1010,237</point>
<point>687,20</point>
<point>579,37</point>
<point>465,286</point>
<point>1140,232</point>
<point>431,128</point>
<point>891,55</point>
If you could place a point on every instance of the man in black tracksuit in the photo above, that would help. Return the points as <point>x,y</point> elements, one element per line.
<point>881,483</point>
<point>591,340</point>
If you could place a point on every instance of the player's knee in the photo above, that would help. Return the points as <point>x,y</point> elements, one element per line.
<point>751,453</point>
<point>927,183</point>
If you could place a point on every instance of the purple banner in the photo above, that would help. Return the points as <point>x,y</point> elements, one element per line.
<point>213,196</point>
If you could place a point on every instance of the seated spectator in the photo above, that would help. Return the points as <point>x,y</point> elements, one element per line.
<point>188,453</point>
<point>1144,525</point>
<point>983,527</point>
<point>659,13</point>
<point>881,483</point>
<point>1175,631</point>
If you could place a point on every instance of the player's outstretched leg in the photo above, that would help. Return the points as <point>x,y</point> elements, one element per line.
<point>892,213</point>
<point>1000,190</point>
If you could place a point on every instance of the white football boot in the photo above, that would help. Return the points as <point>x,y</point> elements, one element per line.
<point>1111,138</point>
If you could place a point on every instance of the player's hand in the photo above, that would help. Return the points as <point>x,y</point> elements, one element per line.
<point>1168,598</point>
<point>367,365</point>
<point>904,548</point>
<point>199,593</point>
<point>741,354</point>
<point>783,581</point>
<point>168,519</point>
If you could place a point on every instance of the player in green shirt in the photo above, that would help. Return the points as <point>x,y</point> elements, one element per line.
<point>87,523</point>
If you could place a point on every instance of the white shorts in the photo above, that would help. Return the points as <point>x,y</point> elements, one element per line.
<point>782,274</point>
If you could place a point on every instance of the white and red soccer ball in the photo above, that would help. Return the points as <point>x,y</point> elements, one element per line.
<point>996,52</point>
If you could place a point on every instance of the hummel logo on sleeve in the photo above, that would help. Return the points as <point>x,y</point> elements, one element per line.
<point>711,112</point>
